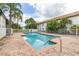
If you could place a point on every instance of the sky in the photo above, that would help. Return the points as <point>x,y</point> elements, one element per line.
<point>42,10</point>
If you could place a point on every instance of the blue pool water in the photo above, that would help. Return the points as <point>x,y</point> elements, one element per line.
<point>38,41</point>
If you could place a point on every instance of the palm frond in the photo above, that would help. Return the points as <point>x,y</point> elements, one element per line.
<point>18,10</point>
<point>18,5</point>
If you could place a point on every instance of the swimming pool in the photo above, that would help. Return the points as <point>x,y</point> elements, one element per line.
<point>38,41</point>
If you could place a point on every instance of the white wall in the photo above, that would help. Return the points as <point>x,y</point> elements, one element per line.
<point>33,30</point>
<point>42,27</point>
<point>75,20</point>
<point>2,27</point>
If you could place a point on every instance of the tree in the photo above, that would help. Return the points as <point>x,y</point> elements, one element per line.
<point>16,26</point>
<point>31,23</point>
<point>13,8</point>
<point>52,26</point>
<point>3,7</point>
<point>63,22</point>
<point>75,26</point>
<point>18,16</point>
<point>58,25</point>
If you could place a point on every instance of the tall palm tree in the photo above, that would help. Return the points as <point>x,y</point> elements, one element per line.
<point>18,16</point>
<point>13,7</point>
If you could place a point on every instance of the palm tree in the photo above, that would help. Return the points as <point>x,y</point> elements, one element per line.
<point>3,7</point>
<point>18,16</point>
<point>31,23</point>
<point>13,7</point>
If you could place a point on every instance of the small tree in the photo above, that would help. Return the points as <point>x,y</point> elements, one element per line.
<point>52,26</point>
<point>63,22</point>
<point>58,25</point>
<point>74,27</point>
<point>30,23</point>
<point>16,26</point>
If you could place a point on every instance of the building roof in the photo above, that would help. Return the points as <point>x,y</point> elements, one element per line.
<point>63,16</point>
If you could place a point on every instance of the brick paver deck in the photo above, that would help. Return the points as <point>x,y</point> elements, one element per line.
<point>14,45</point>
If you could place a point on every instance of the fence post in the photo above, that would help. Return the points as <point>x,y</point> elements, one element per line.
<point>11,31</point>
<point>60,45</point>
<point>76,31</point>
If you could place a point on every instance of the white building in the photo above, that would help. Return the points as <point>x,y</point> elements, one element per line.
<point>72,16</point>
<point>2,25</point>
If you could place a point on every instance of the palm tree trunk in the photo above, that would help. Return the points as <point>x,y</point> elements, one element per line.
<point>10,20</point>
<point>17,26</point>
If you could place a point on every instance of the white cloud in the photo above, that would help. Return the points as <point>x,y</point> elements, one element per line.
<point>72,7</point>
<point>46,10</point>
<point>51,10</point>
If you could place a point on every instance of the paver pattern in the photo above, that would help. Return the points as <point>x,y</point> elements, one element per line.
<point>14,45</point>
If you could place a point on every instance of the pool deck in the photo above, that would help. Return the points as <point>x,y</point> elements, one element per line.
<point>70,46</point>
<point>14,45</point>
